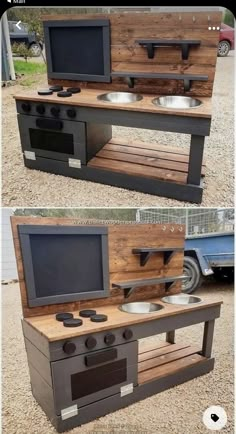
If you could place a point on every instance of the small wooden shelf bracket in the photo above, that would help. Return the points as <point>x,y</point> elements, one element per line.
<point>152,44</point>
<point>145,253</point>
<point>187,78</point>
<point>129,286</point>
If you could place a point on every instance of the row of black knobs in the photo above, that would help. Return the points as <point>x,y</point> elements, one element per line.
<point>91,342</point>
<point>71,113</point>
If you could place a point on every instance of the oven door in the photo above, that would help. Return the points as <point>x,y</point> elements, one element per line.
<point>83,379</point>
<point>53,138</point>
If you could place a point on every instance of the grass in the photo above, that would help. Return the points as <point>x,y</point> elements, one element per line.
<point>29,68</point>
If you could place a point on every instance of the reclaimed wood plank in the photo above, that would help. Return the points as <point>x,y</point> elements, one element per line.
<point>169,368</point>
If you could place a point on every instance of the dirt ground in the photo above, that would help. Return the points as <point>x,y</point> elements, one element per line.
<point>178,410</point>
<point>25,187</point>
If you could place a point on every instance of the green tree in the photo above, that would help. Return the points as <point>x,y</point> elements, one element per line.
<point>118,214</point>
<point>22,50</point>
<point>229,18</point>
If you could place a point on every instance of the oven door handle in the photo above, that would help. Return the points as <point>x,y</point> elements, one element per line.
<point>100,357</point>
<point>49,124</point>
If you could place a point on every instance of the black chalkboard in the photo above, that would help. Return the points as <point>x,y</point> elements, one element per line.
<point>63,263</point>
<point>78,49</point>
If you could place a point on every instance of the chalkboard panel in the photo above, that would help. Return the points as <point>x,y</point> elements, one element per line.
<point>78,49</point>
<point>63,263</point>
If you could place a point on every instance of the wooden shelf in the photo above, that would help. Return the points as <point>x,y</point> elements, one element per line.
<point>130,285</point>
<point>147,160</point>
<point>147,252</point>
<point>156,361</point>
<point>151,44</point>
<point>187,78</point>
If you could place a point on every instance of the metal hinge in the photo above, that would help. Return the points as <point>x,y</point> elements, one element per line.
<point>74,163</point>
<point>68,412</point>
<point>29,155</point>
<point>125,390</point>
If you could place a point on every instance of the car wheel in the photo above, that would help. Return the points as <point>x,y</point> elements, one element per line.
<point>193,273</point>
<point>223,48</point>
<point>36,50</point>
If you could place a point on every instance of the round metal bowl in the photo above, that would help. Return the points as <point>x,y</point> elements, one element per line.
<point>181,299</point>
<point>120,97</point>
<point>140,307</point>
<point>177,102</point>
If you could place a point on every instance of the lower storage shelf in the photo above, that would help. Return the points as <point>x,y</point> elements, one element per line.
<point>145,160</point>
<point>156,361</point>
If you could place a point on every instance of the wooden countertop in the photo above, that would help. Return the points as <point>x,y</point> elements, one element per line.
<point>88,98</point>
<point>54,330</point>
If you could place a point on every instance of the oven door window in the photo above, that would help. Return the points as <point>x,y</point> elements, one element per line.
<point>52,141</point>
<point>77,382</point>
<point>93,380</point>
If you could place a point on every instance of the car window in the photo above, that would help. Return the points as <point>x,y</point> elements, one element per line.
<point>14,29</point>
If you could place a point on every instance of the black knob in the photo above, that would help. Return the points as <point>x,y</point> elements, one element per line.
<point>90,342</point>
<point>109,339</point>
<point>69,347</point>
<point>71,113</point>
<point>40,109</point>
<point>55,111</point>
<point>26,107</point>
<point>128,334</point>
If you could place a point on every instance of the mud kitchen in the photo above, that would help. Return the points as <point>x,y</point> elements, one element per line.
<point>144,70</point>
<point>90,296</point>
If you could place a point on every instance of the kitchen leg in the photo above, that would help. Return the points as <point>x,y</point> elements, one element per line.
<point>208,338</point>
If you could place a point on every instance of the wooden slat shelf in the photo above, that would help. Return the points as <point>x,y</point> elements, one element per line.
<point>144,159</point>
<point>187,78</point>
<point>165,359</point>
<point>130,285</point>
<point>185,45</point>
<point>147,252</point>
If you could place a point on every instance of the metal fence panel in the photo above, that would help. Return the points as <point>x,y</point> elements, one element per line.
<point>196,221</point>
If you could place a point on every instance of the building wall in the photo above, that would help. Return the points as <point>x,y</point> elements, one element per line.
<point>9,271</point>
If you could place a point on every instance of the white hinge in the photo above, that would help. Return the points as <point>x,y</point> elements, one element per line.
<point>68,412</point>
<point>29,155</point>
<point>74,163</point>
<point>125,390</point>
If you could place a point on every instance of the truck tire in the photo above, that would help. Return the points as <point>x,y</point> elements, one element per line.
<point>192,270</point>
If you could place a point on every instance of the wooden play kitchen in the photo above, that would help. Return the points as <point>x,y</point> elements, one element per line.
<point>89,295</point>
<point>142,70</point>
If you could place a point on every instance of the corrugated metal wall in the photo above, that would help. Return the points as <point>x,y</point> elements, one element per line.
<point>9,270</point>
<point>5,66</point>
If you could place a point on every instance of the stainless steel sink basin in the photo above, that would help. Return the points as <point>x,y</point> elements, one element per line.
<point>119,97</point>
<point>177,102</point>
<point>181,299</point>
<point>140,307</point>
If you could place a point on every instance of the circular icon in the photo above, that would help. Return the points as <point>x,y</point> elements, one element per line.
<point>215,418</point>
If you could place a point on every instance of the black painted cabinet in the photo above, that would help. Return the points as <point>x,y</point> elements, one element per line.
<point>55,132</point>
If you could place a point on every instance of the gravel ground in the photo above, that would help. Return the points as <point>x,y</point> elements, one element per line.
<point>177,411</point>
<point>25,187</point>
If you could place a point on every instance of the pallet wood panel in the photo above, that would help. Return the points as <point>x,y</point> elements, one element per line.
<point>133,168</point>
<point>88,98</point>
<point>146,160</point>
<point>166,360</point>
<point>123,264</point>
<point>151,155</point>
<point>126,54</point>
<point>167,356</point>
<point>54,330</point>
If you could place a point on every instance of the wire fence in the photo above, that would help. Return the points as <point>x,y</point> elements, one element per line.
<point>196,221</point>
